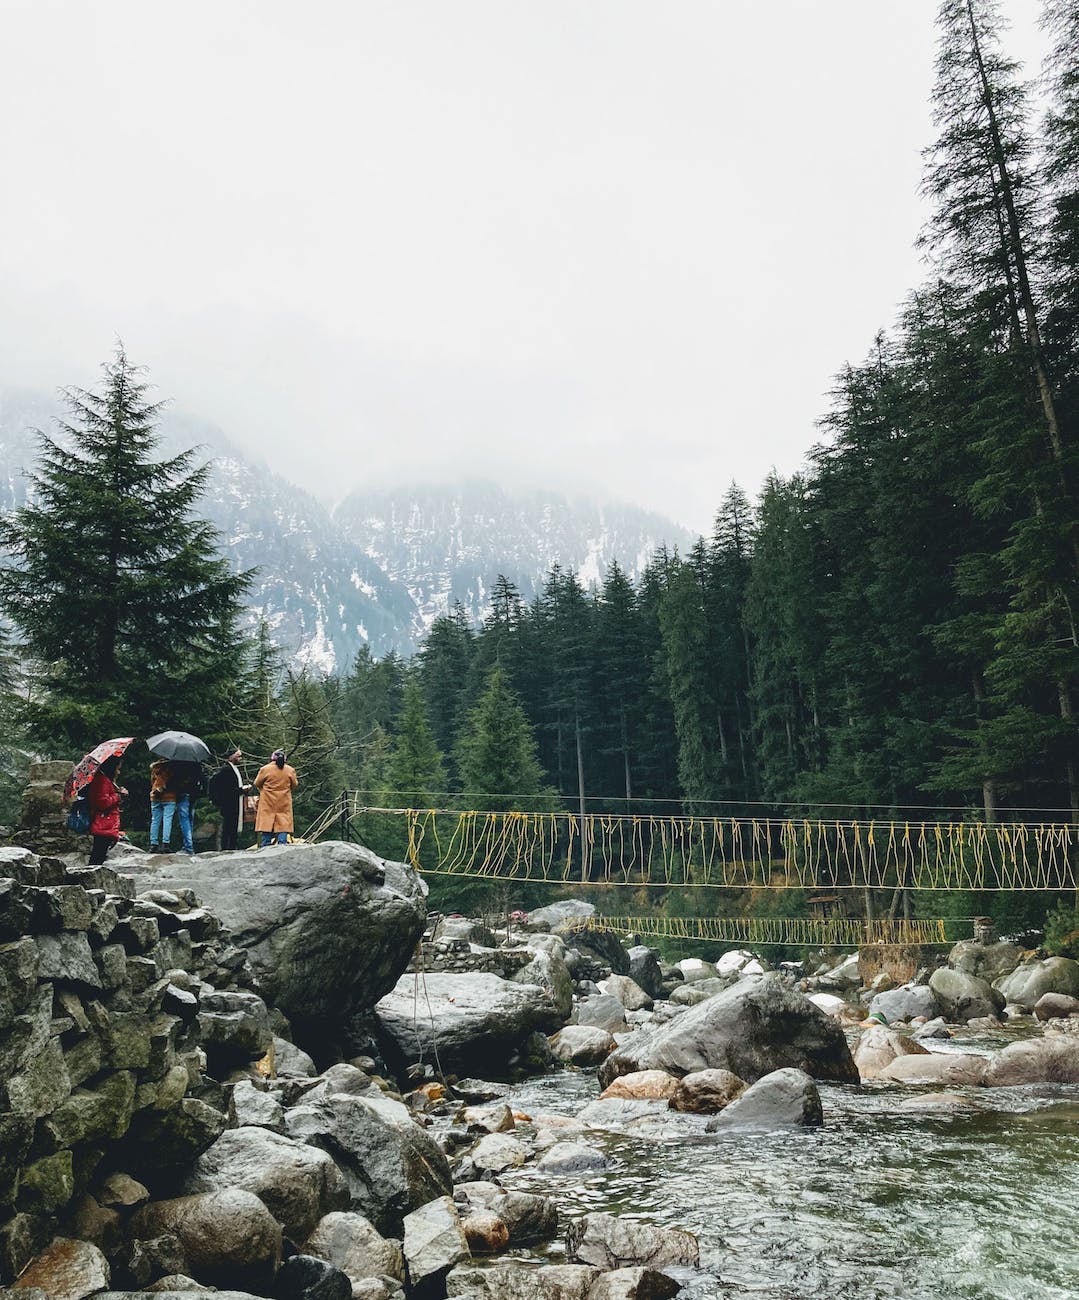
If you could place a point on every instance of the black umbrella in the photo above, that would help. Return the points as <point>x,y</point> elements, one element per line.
<point>179,745</point>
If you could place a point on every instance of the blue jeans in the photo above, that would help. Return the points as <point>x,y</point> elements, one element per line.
<point>186,814</point>
<point>161,815</point>
<point>267,837</point>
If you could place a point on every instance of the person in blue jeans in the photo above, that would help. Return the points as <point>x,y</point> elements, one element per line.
<point>186,782</point>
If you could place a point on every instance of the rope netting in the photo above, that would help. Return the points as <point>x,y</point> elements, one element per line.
<point>777,931</point>
<point>731,852</point>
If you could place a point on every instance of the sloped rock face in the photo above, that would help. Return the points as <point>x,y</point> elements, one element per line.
<point>474,1022</point>
<point>328,927</point>
<point>1026,984</point>
<point>757,1026</point>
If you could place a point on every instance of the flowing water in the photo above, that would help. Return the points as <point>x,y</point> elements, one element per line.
<point>881,1202</point>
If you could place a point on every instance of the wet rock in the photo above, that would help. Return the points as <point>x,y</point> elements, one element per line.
<point>297,1183</point>
<point>305,1277</point>
<point>643,1085</point>
<point>964,997</point>
<point>497,1152</point>
<point>486,1232</point>
<point>489,1119</point>
<point>434,1240</point>
<point>941,1069</point>
<point>785,1098</point>
<point>879,1046</point>
<point>391,1164</point>
<point>327,927</point>
<point>756,1026</point>
<point>706,1092</point>
<point>1056,1006</point>
<point>353,1244</point>
<point>622,1112</point>
<point>936,1028</point>
<point>608,1242</point>
<point>938,1103</point>
<point>602,1012</point>
<point>906,1003</point>
<point>66,1270</point>
<point>628,992</point>
<point>582,1045</point>
<point>513,1281</point>
<point>571,1158</point>
<point>1035,1060</point>
<point>1025,985</point>
<point>227,1236</point>
<point>474,1021</point>
<point>87,1220</point>
<point>527,1216</point>
<point>633,1284</point>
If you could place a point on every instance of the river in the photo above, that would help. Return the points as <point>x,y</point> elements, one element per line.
<point>880,1202</point>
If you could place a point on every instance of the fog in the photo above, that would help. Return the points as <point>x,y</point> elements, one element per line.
<point>607,246</point>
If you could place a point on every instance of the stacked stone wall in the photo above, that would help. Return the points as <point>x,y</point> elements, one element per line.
<point>458,957</point>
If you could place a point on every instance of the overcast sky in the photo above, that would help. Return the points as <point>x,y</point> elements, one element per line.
<point>618,246</point>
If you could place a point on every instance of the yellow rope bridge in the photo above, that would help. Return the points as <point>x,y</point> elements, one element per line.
<point>777,931</point>
<point>730,852</point>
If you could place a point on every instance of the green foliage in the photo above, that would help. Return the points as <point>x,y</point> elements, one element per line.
<point>1062,931</point>
<point>415,764</point>
<point>497,761</point>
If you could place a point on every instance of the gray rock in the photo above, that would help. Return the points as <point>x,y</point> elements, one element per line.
<point>783,1099</point>
<point>299,1184</point>
<point>351,1243</point>
<point>548,971</point>
<point>695,968</point>
<point>554,914</point>
<point>964,997</point>
<point>1056,1006</point>
<point>475,1022</point>
<point>1025,985</point>
<point>633,1284</point>
<point>228,1237</point>
<point>602,1012</point>
<point>697,991</point>
<point>497,1152</point>
<point>434,1240</point>
<point>306,1277</point>
<point>519,1281</point>
<point>844,975</point>
<point>66,958</point>
<point>256,1109</point>
<point>644,970</point>
<point>938,1069</point>
<point>582,1045</point>
<point>292,1062</point>
<point>391,1164</point>
<point>706,1092</point>
<point>234,1027</point>
<point>66,1270</point>
<point>600,945</point>
<point>328,927</point>
<point>879,1046</point>
<point>571,1158</point>
<point>906,1003</point>
<point>751,1029</point>
<point>608,1242</point>
<point>989,961</point>
<point>628,992</point>
<point>1052,1059</point>
<point>528,1217</point>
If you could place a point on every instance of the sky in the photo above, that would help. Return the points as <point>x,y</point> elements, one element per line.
<point>617,248</point>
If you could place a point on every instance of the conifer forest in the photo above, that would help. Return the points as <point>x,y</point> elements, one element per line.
<point>891,632</point>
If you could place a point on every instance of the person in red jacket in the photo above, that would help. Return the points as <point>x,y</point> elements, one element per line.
<point>104,794</point>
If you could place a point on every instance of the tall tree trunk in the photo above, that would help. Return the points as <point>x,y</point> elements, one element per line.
<point>586,844</point>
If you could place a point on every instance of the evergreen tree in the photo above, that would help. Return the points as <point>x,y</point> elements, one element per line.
<point>497,758</point>
<point>445,661</point>
<point>416,772</point>
<point>115,586</point>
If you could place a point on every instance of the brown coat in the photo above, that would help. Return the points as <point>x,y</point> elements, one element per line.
<point>275,785</point>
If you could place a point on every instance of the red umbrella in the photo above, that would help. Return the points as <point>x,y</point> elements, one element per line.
<point>86,768</point>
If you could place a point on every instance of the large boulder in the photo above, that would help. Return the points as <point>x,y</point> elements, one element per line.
<point>628,992</point>
<point>351,1243</point>
<point>66,1270</point>
<point>434,1240</point>
<point>582,1045</point>
<point>705,1093</point>
<point>602,1011</point>
<point>391,1165</point>
<point>1027,983</point>
<point>328,927</point>
<point>548,971</point>
<point>602,946</point>
<point>756,1026</point>
<point>906,1003</point>
<point>608,1241</point>
<point>1056,1006</point>
<point>1053,1059</point>
<point>297,1183</point>
<point>783,1099</point>
<point>989,961</point>
<point>474,1022</point>
<point>939,1069</point>
<point>227,1237</point>
<point>556,914</point>
<point>879,1046</point>
<point>964,997</point>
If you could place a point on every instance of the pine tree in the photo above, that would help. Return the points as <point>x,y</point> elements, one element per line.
<point>497,759</point>
<point>416,771</point>
<point>445,661</point>
<point>115,586</point>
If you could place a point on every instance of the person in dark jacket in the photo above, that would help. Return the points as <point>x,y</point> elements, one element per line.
<point>187,783</point>
<point>227,789</point>
<point>103,794</point>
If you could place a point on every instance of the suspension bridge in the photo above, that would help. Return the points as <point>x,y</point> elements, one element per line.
<point>846,861</point>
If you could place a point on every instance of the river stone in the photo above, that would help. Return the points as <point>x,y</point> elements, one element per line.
<point>633,1284</point>
<point>391,1164</point>
<point>940,1069</point>
<point>548,971</point>
<point>751,1029</point>
<point>305,1277</point>
<point>497,1152</point>
<point>228,1237</point>
<point>690,995</point>
<point>1056,1006</point>
<point>515,1281</point>
<point>298,1183</point>
<point>830,1003</point>
<point>879,1046</point>
<point>528,1217</point>
<point>497,1118</point>
<point>785,1098</point>
<point>66,1270</point>
<point>474,1021</point>
<point>706,1091</point>
<point>618,1112</point>
<point>434,1240</point>
<point>602,1012</point>
<point>607,1241</point>
<point>254,1108</point>
<point>1035,1060</point>
<point>328,927</point>
<point>964,997</point>
<point>1025,985</point>
<point>292,1062</point>
<point>627,991</point>
<point>989,961</point>
<point>486,1232</point>
<point>353,1244</point>
<point>644,970</point>
<point>643,1085</point>
<point>906,1003</point>
<point>582,1045</point>
<point>571,1158</point>
<point>555,914</point>
<point>694,968</point>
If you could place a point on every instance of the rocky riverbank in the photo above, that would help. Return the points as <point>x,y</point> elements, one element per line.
<point>244,1072</point>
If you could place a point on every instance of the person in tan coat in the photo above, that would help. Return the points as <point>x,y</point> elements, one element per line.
<point>275,783</point>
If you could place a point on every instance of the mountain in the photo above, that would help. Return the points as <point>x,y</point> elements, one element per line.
<point>381,566</point>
